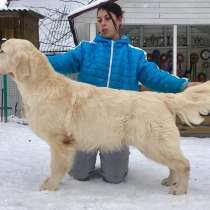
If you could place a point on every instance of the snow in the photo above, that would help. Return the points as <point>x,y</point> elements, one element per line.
<point>18,8</point>
<point>3,4</point>
<point>25,159</point>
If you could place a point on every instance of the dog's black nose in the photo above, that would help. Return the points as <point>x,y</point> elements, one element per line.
<point>1,51</point>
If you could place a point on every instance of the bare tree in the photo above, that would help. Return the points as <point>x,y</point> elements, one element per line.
<point>79,2</point>
<point>55,33</point>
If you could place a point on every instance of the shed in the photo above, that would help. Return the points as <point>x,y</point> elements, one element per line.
<point>20,23</point>
<point>17,23</point>
<point>175,35</point>
<point>153,24</point>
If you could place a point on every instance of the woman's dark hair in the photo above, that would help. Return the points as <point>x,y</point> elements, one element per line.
<point>111,7</point>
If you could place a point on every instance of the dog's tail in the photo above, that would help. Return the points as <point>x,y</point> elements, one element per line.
<point>191,104</point>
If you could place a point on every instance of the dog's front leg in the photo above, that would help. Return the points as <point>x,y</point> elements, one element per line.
<point>61,161</point>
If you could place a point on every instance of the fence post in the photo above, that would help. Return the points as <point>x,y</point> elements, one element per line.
<point>4,91</point>
<point>5,97</point>
<point>2,103</point>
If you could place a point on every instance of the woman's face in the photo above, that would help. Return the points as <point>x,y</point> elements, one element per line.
<point>106,26</point>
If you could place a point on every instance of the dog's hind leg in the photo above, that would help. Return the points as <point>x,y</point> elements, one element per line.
<point>167,152</point>
<point>181,168</point>
<point>61,161</point>
<point>170,180</point>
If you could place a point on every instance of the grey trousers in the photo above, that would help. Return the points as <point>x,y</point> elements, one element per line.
<point>114,165</point>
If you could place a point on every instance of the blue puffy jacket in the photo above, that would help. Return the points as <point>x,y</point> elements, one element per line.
<point>115,64</point>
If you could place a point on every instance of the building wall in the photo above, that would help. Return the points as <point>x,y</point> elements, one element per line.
<point>83,31</point>
<point>31,29</point>
<point>166,11</point>
<point>9,27</point>
<point>159,12</point>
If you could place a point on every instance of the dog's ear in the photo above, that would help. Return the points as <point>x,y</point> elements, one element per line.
<point>22,66</point>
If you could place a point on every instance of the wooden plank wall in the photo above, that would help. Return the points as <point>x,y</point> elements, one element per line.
<point>159,12</point>
<point>202,130</point>
<point>31,29</point>
<point>7,28</point>
<point>166,11</point>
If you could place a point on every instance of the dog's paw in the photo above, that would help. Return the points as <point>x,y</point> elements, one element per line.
<point>175,191</point>
<point>48,184</point>
<point>168,182</point>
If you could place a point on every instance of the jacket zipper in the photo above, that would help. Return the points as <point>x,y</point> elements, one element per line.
<point>110,63</point>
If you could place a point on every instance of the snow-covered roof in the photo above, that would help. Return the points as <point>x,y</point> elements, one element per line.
<point>3,4</point>
<point>86,8</point>
<point>21,9</point>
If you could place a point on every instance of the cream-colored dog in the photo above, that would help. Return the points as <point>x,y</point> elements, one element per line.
<point>72,116</point>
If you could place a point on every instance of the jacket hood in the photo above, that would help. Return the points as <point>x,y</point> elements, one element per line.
<point>124,39</point>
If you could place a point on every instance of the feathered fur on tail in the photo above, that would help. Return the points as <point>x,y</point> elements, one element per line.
<point>191,104</point>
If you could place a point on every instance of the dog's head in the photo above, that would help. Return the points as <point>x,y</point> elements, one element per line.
<point>18,58</point>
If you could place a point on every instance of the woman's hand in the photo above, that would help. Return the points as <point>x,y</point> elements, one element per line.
<point>190,84</point>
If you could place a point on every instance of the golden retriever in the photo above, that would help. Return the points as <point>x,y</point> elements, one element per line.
<point>72,116</point>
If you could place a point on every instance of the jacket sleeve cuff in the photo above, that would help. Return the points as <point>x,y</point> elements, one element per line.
<point>185,84</point>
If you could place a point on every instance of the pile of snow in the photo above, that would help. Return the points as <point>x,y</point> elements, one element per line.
<point>25,160</point>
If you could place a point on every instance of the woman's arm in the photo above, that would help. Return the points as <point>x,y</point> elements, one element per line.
<point>155,79</point>
<point>68,62</point>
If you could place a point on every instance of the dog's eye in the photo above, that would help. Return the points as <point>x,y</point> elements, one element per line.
<point>1,51</point>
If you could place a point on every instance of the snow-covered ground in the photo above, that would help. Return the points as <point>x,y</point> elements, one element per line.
<point>24,163</point>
